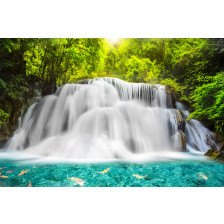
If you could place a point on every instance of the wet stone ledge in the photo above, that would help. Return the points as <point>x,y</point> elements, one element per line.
<point>215,155</point>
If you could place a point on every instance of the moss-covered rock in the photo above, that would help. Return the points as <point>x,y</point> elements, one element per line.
<point>215,154</point>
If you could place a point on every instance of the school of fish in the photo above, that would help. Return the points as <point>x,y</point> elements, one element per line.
<point>78,181</point>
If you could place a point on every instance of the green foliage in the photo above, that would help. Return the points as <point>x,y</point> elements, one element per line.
<point>181,64</point>
<point>64,60</point>
<point>6,45</point>
<point>3,116</point>
<point>209,102</point>
<point>173,85</point>
<point>136,69</point>
<point>3,84</point>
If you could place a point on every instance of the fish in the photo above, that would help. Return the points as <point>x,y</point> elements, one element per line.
<point>77,180</point>
<point>23,172</point>
<point>10,171</point>
<point>104,171</point>
<point>4,176</point>
<point>138,176</point>
<point>29,185</point>
<point>2,168</point>
<point>203,176</point>
<point>34,167</point>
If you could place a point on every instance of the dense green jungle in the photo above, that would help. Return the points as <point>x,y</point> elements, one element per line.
<point>191,68</point>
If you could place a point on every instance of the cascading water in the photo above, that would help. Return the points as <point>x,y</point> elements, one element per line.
<point>108,118</point>
<point>198,136</point>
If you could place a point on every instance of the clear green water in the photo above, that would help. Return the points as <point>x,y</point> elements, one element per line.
<point>179,173</point>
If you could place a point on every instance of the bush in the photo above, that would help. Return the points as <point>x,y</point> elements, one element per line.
<point>209,102</point>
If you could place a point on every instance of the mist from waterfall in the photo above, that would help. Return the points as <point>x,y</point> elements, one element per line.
<point>108,118</point>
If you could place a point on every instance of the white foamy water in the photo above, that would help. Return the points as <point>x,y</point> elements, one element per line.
<point>108,119</point>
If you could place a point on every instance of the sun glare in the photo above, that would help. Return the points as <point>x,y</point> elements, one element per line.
<point>113,40</point>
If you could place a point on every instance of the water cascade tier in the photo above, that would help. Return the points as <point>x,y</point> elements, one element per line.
<point>108,118</point>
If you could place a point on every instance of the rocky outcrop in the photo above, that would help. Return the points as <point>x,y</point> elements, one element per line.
<point>219,139</point>
<point>221,146</point>
<point>215,154</point>
<point>172,98</point>
<point>48,88</point>
<point>179,120</point>
<point>183,140</point>
<point>212,142</point>
<point>176,125</point>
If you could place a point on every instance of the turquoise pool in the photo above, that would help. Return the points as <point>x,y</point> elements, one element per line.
<point>171,173</point>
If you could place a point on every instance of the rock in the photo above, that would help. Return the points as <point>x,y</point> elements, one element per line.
<point>217,137</point>
<point>181,121</point>
<point>221,146</point>
<point>2,143</point>
<point>211,142</point>
<point>6,131</point>
<point>215,154</point>
<point>84,81</point>
<point>171,98</point>
<point>48,88</point>
<point>178,116</point>
<point>183,140</point>
<point>179,141</point>
<point>209,152</point>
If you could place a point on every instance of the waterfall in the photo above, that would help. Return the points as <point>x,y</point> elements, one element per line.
<point>108,118</point>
